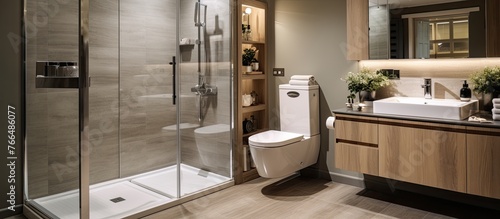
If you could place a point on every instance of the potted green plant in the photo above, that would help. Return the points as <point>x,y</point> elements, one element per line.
<point>248,58</point>
<point>365,83</point>
<point>487,83</point>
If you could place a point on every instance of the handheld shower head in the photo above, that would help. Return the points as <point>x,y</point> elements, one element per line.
<point>198,13</point>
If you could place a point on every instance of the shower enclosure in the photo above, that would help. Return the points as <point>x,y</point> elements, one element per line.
<point>151,128</point>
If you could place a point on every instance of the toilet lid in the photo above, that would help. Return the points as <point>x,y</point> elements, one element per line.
<point>274,138</point>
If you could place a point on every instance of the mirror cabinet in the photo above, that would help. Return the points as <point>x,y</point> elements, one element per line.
<point>422,29</point>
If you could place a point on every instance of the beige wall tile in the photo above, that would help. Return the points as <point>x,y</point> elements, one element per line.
<point>131,44</point>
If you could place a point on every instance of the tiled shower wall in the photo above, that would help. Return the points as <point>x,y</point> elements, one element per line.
<point>131,44</point>
<point>215,60</point>
<point>52,114</point>
<point>147,41</point>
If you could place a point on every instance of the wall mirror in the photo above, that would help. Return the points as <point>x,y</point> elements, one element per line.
<point>429,29</point>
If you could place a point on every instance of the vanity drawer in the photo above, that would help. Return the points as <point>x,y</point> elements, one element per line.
<point>357,158</point>
<point>355,129</point>
<point>483,162</point>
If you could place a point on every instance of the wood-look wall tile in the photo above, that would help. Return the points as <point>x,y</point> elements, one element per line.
<point>142,156</point>
<point>146,44</point>
<point>104,23</point>
<point>38,171</point>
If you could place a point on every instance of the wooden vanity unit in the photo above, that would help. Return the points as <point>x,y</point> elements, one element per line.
<point>458,156</point>
<point>483,161</point>
<point>423,153</point>
<point>357,144</point>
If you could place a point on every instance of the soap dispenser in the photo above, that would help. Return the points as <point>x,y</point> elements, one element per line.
<point>465,92</point>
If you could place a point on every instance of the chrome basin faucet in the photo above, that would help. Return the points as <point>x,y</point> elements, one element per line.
<point>427,88</point>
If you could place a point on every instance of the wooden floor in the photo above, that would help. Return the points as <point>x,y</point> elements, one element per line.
<point>316,198</point>
<point>309,198</point>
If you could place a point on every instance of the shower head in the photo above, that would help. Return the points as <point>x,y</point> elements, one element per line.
<point>197,14</point>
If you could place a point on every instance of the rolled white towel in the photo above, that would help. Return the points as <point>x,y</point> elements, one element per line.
<point>495,111</point>
<point>496,106</point>
<point>302,77</point>
<point>478,119</point>
<point>300,82</point>
<point>496,100</point>
<point>496,117</point>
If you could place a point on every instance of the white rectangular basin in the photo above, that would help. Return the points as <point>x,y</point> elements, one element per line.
<point>431,108</point>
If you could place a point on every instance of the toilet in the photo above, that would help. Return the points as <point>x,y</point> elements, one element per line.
<point>296,146</point>
<point>214,145</point>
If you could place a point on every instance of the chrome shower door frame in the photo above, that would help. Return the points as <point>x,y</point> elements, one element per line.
<point>83,106</point>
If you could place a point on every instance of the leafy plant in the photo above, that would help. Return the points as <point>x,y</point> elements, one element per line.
<point>249,56</point>
<point>365,80</point>
<point>486,81</point>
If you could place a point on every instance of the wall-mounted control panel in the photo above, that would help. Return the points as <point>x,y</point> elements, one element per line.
<point>279,72</point>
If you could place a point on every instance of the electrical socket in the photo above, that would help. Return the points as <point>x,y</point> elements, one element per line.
<point>279,72</point>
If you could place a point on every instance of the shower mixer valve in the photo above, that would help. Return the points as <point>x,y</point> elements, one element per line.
<point>204,89</point>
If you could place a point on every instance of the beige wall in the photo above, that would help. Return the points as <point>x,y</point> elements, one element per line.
<point>310,38</point>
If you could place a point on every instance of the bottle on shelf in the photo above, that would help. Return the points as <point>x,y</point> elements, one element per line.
<point>247,35</point>
<point>244,31</point>
<point>465,93</point>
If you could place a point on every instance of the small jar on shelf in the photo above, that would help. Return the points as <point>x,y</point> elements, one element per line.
<point>254,96</point>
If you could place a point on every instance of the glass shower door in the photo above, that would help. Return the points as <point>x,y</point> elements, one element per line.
<point>56,121</point>
<point>158,120</point>
<point>205,94</point>
<point>148,114</point>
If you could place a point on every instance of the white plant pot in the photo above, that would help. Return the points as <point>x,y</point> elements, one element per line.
<point>255,66</point>
<point>247,68</point>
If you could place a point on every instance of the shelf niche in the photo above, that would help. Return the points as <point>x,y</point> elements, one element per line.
<point>247,83</point>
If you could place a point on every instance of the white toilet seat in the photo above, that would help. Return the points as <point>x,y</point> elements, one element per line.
<point>273,138</point>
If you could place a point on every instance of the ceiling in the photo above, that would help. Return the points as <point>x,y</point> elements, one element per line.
<point>409,3</point>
